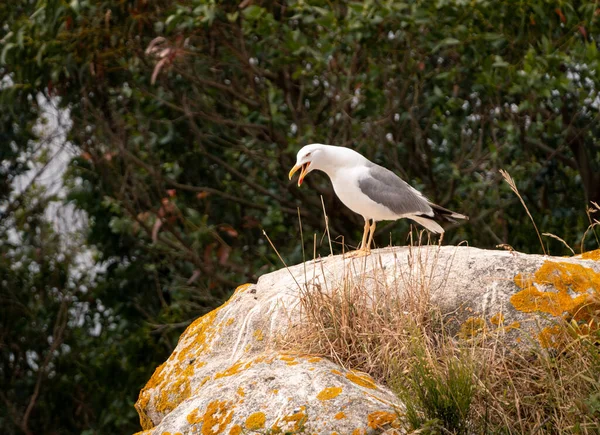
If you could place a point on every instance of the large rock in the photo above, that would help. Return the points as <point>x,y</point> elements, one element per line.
<point>227,377</point>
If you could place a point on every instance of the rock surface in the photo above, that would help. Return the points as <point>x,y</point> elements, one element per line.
<point>226,377</point>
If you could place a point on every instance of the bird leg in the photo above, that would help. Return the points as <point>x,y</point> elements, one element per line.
<point>363,249</point>
<point>364,238</point>
<point>371,234</point>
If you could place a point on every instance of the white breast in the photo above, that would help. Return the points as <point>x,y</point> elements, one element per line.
<point>345,185</point>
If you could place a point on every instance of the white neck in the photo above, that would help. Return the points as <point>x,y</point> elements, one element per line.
<point>339,158</point>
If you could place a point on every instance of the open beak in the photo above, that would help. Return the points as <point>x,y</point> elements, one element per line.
<point>303,169</point>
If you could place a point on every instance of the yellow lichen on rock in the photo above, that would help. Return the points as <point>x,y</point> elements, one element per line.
<point>234,369</point>
<point>572,283</point>
<point>256,421</point>
<point>340,415</point>
<point>574,296</point>
<point>329,393</point>
<point>241,288</point>
<point>361,379</point>
<point>258,335</point>
<point>551,336</point>
<point>591,255</point>
<point>236,429</point>
<point>216,418</point>
<point>497,319</point>
<point>290,423</point>
<point>472,327</point>
<point>171,379</point>
<point>194,417</point>
<point>173,393</point>
<point>513,325</point>
<point>379,419</point>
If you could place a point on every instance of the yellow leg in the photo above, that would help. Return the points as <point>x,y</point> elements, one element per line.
<point>364,248</point>
<point>371,234</point>
<point>364,238</point>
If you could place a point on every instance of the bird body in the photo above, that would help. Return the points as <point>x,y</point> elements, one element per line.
<point>370,190</point>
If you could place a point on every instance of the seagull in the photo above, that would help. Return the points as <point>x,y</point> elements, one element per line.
<point>370,190</point>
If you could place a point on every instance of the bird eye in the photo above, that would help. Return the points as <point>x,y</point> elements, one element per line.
<point>308,154</point>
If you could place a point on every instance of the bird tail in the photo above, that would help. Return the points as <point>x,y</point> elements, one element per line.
<point>445,214</point>
<point>428,223</point>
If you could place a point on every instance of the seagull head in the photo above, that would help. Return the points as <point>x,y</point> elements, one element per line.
<point>309,158</point>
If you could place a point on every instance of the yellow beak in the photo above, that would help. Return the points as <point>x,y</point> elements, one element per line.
<point>303,170</point>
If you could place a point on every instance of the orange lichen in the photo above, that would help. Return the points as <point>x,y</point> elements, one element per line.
<point>574,296</point>
<point>175,392</point>
<point>241,288</point>
<point>358,432</point>
<point>552,336</point>
<point>471,327</point>
<point>329,393</point>
<point>236,429</point>
<point>234,369</point>
<point>258,335</point>
<point>361,379</point>
<point>513,325</point>
<point>497,319</point>
<point>287,358</point>
<point>171,380</point>
<point>378,419</point>
<point>240,392</point>
<point>216,418</point>
<point>256,421</point>
<point>275,391</point>
<point>169,385</point>
<point>290,423</point>
<point>314,359</point>
<point>571,282</point>
<point>193,417</point>
<point>340,415</point>
<point>204,380</point>
<point>229,321</point>
<point>336,372</point>
<point>591,255</point>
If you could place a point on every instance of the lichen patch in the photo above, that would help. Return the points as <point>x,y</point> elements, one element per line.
<point>564,290</point>
<point>291,423</point>
<point>471,328</point>
<point>256,421</point>
<point>591,255</point>
<point>329,393</point>
<point>362,379</point>
<point>497,319</point>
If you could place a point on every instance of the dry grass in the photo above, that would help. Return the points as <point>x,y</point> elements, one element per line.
<point>361,322</point>
<point>449,385</point>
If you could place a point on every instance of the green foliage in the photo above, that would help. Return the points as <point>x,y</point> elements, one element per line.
<point>437,393</point>
<point>184,143</point>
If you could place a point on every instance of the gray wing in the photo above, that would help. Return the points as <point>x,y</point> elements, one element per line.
<point>389,190</point>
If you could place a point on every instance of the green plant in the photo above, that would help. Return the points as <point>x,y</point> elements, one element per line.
<point>436,389</point>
